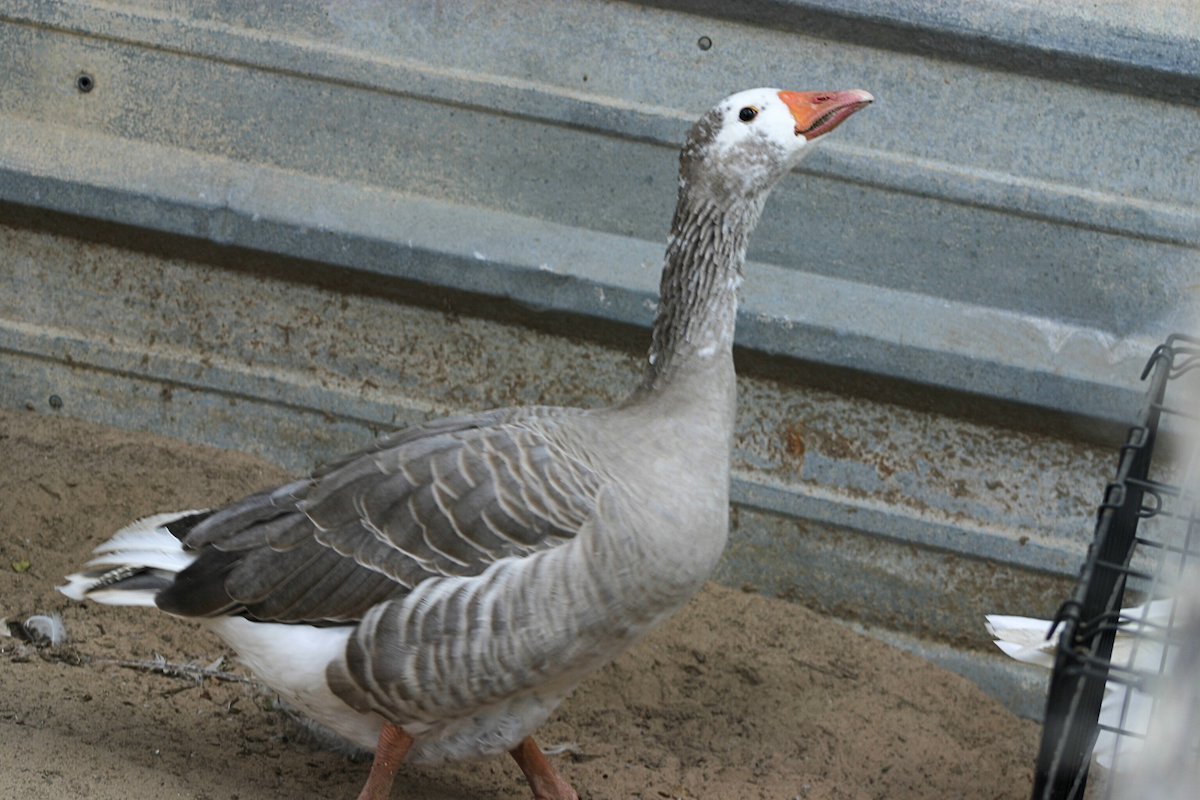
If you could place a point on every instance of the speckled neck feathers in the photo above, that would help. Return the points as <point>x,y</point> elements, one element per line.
<point>716,212</point>
<point>698,294</point>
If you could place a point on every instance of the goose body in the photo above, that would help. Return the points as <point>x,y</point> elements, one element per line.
<point>436,595</point>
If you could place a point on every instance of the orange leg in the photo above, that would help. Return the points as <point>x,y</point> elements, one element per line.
<point>393,746</point>
<point>545,782</point>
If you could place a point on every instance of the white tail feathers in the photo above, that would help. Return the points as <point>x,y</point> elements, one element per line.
<point>133,566</point>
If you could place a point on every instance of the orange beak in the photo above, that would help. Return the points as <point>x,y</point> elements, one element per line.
<point>818,113</point>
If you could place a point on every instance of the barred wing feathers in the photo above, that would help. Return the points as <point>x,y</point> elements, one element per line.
<point>448,499</point>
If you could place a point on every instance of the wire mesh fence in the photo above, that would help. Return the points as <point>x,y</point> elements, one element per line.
<point>1128,658</point>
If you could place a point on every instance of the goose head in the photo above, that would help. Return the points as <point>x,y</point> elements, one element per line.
<point>746,143</point>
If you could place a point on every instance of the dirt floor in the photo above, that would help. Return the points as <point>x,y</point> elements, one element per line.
<point>739,696</point>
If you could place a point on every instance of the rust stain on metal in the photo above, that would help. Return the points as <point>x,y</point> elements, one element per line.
<point>793,440</point>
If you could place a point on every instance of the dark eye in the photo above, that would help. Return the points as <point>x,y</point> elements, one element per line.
<point>748,113</point>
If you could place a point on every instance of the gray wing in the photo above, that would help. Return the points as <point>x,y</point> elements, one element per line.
<point>445,499</point>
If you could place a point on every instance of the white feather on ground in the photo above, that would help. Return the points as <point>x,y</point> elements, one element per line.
<point>45,628</point>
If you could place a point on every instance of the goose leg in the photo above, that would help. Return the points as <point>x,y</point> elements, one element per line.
<point>546,783</point>
<point>393,746</point>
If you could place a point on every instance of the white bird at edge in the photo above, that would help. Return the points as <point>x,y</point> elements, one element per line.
<point>1032,641</point>
<point>435,596</point>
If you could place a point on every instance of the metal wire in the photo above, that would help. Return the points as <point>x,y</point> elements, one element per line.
<point>1086,671</point>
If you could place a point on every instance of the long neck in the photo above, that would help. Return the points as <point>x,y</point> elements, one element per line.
<point>697,303</point>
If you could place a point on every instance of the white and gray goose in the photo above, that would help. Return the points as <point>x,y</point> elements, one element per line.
<point>435,596</point>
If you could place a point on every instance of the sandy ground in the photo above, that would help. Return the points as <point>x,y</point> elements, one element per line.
<point>739,696</point>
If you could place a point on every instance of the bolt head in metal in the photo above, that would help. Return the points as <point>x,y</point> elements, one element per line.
<point>704,43</point>
<point>85,83</point>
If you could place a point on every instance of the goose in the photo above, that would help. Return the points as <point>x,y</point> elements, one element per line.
<point>436,595</point>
